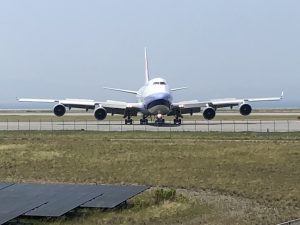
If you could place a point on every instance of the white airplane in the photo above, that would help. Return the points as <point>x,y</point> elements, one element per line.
<point>153,99</point>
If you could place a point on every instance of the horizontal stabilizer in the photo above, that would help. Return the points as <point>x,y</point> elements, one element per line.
<point>177,89</point>
<point>121,90</point>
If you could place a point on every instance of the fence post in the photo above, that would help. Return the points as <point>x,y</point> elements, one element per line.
<point>40,124</point>
<point>274,127</point>
<point>18,125</point>
<point>7,124</point>
<point>221,125</point>
<point>207,125</point>
<point>63,125</point>
<point>260,126</point>
<point>234,126</point>
<point>247,126</point>
<point>288,123</point>
<point>195,126</point>
<point>29,125</point>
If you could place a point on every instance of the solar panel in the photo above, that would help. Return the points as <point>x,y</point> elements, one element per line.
<point>53,200</point>
<point>114,195</point>
<point>63,198</point>
<point>4,185</point>
<point>15,203</point>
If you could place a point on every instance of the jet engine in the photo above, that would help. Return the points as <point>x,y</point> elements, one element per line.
<point>245,109</point>
<point>59,110</point>
<point>100,113</point>
<point>209,113</point>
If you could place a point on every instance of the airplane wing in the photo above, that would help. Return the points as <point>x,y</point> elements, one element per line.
<point>195,105</point>
<point>114,107</point>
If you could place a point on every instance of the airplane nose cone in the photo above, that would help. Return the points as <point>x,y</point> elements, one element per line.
<point>159,102</point>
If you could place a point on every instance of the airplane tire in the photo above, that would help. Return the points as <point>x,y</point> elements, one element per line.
<point>177,121</point>
<point>143,121</point>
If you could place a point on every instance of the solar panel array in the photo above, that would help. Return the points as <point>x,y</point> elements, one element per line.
<point>53,200</point>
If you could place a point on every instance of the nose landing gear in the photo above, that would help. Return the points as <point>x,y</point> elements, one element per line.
<point>159,120</point>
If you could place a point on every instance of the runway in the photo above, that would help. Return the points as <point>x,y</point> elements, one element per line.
<point>90,113</point>
<point>229,121</point>
<point>202,126</point>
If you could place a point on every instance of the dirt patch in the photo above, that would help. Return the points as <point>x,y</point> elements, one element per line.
<point>12,146</point>
<point>236,208</point>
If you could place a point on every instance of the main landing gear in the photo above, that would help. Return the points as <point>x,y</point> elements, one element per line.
<point>177,120</point>
<point>128,121</point>
<point>144,121</point>
<point>158,121</point>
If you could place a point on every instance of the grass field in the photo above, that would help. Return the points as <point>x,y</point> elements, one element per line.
<point>232,178</point>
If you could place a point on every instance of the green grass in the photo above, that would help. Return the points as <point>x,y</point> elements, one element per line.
<point>232,178</point>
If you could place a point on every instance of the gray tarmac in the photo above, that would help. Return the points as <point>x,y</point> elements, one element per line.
<point>187,125</point>
<point>204,126</point>
<point>90,113</point>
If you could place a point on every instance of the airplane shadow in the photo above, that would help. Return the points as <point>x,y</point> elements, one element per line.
<point>164,125</point>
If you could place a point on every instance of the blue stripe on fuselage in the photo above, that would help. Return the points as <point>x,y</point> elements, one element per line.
<point>155,99</point>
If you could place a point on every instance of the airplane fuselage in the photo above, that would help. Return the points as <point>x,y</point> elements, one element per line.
<point>155,97</point>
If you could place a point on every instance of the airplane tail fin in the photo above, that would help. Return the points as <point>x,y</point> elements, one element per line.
<point>146,68</point>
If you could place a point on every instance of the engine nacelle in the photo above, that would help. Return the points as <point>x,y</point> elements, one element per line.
<point>100,113</point>
<point>59,110</point>
<point>209,113</point>
<point>245,109</point>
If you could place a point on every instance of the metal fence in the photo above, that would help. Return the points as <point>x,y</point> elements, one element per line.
<point>203,126</point>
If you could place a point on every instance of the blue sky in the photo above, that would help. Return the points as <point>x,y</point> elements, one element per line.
<point>71,49</point>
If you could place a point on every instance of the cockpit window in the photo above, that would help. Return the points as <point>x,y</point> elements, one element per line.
<point>160,83</point>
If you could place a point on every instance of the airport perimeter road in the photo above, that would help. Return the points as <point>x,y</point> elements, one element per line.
<point>204,126</point>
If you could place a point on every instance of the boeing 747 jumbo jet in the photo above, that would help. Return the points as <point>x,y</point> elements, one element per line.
<point>153,99</point>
